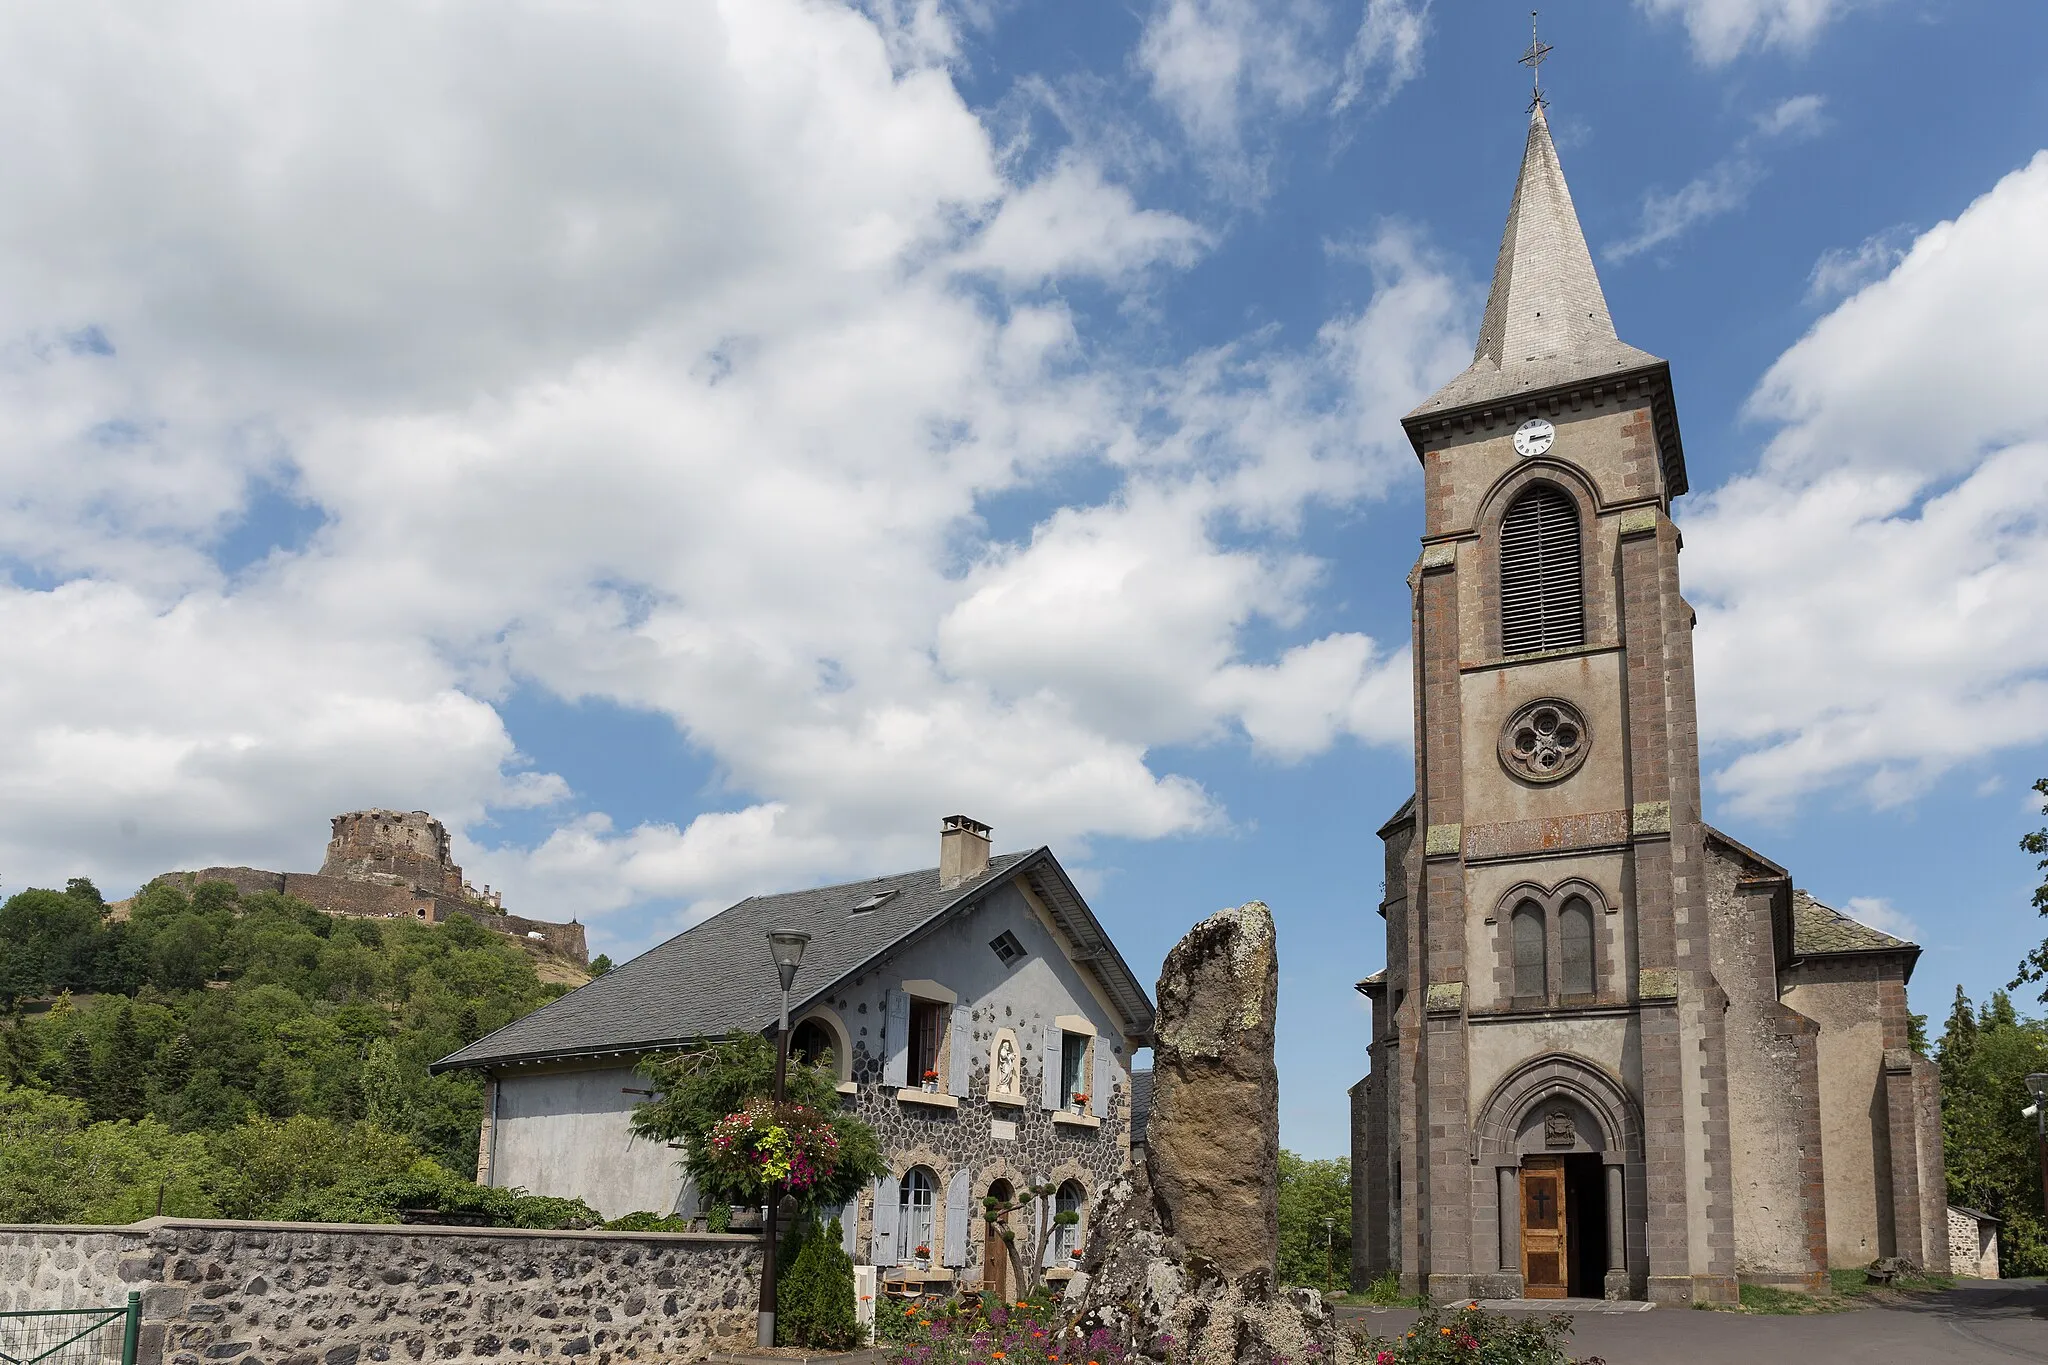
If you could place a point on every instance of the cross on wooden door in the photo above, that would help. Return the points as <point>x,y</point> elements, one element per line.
<point>1543,1228</point>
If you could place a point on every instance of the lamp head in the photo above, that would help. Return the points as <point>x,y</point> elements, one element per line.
<point>2037,1083</point>
<point>786,946</point>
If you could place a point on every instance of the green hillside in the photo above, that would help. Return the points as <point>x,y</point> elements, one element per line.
<point>247,1056</point>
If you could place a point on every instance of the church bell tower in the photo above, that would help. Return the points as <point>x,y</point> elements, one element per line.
<point>1547,1110</point>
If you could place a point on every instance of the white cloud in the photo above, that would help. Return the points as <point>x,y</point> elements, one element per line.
<point>1722,30</point>
<point>1722,189</point>
<point>1724,186</point>
<point>1873,600</point>
<point>1800,116</point>
<point>1842,270</point>
<point>1387,51</point>
<point>644,355</point>
<point>1225,68</point>
<point>1882,915</point>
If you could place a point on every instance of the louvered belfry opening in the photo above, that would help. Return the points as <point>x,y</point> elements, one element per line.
<point>1541,600</point>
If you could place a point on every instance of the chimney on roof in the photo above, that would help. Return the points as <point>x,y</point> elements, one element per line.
<point>963,850</point>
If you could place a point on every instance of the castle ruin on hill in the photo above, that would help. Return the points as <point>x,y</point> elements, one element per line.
<point>388,864</point>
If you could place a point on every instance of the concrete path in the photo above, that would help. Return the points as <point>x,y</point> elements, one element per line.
<point>1980,1322</point>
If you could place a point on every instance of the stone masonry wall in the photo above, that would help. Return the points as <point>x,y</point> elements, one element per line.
<point>322,1294</point>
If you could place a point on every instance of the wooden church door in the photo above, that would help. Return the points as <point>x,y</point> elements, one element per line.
<point>1543,1227</point>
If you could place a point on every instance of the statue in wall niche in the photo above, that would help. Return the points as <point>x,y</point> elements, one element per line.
<point>1006,1066</point>
<point>1559,1130</point>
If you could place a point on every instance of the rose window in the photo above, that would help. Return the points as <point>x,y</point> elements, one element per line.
<point>1544,741</point>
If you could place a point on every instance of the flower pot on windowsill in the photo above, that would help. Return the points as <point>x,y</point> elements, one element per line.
<point>931,1087</point>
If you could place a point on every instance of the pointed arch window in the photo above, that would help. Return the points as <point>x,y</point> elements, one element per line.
<point>1541,600</point>
<point>1575,947</point>
<point>1531,953</point>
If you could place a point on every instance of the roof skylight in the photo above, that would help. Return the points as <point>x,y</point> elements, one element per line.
<point>879,898</point>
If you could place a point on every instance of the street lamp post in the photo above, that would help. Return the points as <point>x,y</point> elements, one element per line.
<point>2038,1084</point>
<point>786,947</point>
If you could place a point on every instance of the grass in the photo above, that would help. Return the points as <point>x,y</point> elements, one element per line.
<point>1848,1287</point>
<point>1852,1282</point>
<point>1385,1292</point>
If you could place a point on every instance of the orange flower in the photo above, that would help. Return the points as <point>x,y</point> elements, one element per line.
<point>1445,1330</point>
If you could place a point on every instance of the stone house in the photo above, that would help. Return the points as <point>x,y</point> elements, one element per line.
<point>1614,1052</point>
<point>981,1020</point>
<point>1972,1243</point>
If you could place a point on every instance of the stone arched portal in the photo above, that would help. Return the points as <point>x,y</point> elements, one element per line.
<point>1562,1105</point>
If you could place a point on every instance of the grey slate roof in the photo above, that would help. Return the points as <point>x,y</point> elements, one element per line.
<point>1546,319</point>
<point>715,978</point>
<point>1141,1104</point>
<point>1818,930</point>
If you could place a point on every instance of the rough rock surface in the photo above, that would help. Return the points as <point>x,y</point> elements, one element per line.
<point>1213,1140</point>
<point>1181,1252</point>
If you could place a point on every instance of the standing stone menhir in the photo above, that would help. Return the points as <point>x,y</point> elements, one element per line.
<point>1181,1256</point>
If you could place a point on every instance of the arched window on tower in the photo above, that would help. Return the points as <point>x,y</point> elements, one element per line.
<point>1530,952</point>
<point>1575,947</point>
<point>1541,604</point>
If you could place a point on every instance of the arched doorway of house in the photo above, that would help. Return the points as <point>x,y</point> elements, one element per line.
<point>995,1248</point>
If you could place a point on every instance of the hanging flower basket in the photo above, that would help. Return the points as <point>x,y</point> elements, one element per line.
<point>766,1144</point>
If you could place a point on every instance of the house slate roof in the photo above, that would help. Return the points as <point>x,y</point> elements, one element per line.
<point>1546,321</point>
<point>1818,930</point>
<point>716,978</point>
<point>1141,1103</point>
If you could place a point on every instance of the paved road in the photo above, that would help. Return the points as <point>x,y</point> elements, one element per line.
<point>1981,1322</point>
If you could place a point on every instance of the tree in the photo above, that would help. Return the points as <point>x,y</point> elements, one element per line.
<point>1992,1158</point>
<point>997,1211</point>
<point>599,965</point>
<point>77,1077</point>
<point>697,1087</point>
<point>814,1291</point>
<point>2035,967</point>
<point>117,1089</point>
<point>1315,1222</point>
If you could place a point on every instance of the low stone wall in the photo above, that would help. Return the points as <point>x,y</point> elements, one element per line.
<point>336,1294</point>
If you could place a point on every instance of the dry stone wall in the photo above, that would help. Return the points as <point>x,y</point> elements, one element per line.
<point>321,1294</point>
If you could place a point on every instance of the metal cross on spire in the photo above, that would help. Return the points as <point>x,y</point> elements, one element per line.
<point>1533,59</point>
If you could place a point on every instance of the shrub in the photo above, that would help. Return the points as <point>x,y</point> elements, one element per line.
<point>428,1187</point>
<point>642,1220</point>
<point>983,1331</point>
<point>814,1292</point>
<point>1473,1336</point>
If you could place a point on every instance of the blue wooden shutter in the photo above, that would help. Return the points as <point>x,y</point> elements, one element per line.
<point>960,1073</point>
<point>849,1226</point>
<point>1105,1073</point>
<point>956,1220</point>
<point>888,1194</point>
<point>896,1031</point>
<point>1049,1094</point>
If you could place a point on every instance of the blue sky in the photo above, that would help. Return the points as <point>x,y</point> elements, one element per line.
<point>691,449</point>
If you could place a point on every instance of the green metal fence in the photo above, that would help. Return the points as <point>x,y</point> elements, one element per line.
<point>62,1336</point>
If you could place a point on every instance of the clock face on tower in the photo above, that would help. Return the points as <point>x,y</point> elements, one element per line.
<point>1533,437</point>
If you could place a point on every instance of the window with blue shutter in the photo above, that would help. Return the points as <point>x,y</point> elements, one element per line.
<point>888,1197</point>
<point>956,1220</point>
<point>1049,1074</point>
<point>896,1027</point>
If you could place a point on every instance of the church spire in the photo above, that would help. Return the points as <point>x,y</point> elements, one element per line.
<point>1546,320</point>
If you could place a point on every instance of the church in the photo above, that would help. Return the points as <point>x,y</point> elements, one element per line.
<point>1614,1052</point>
